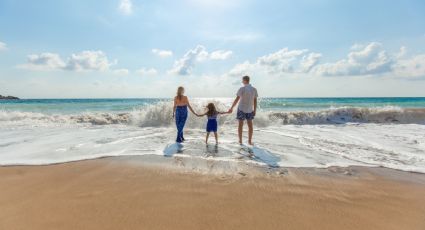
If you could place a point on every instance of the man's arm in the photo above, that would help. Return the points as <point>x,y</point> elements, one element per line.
<point>190,108</point>
<point>235,102</point>
<point>255,105</point>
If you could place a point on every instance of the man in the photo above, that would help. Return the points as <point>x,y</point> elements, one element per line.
<point>247,98</point>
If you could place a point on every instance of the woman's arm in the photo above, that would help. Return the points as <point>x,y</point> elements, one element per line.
<point>190,107</point>
<point>174,107</point>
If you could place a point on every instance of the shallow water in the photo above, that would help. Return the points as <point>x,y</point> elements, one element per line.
<point>57,131</point>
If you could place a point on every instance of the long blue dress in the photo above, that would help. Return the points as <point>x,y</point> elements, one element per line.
<point>181,117</point>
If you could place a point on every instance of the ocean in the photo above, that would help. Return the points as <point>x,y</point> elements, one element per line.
<point>289,132</point>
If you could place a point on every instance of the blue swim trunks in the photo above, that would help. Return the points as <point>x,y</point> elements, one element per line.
<point>212,125</point>
<point>244,116</point>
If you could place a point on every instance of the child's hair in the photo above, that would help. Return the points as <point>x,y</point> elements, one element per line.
<point>211,110</point>
<point>180,90</point>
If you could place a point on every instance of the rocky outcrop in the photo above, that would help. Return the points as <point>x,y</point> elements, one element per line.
<point>8,97</point>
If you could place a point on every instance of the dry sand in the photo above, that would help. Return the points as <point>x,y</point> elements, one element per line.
<point>110,194</point>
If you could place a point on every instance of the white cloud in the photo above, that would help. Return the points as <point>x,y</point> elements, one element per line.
<point>184,65</point>
<point>125,7</point>
<point>362,60</point>
<point>280,62</point>
<point>88,60</point>
<point>121,71</point>
<point>43,62</point>
<point>162,53</point>
<point>411,67</point>
<point>242,69</point>
<point>367,60</point>
<point>283,60</point>
<point>3,46</point>
<point>402,52</point>
<point>83,61</point>
<point>221,54</point>
<point>147,72</point>
<point>310,61</point>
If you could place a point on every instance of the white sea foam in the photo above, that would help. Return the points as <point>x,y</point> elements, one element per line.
<point>160,115</point>
<point>387,136</point>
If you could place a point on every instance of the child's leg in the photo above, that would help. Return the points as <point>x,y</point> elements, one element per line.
<point>206,138</point>
<point>216,137</point>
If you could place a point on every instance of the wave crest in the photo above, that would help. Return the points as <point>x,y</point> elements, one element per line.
<point>160,114</point>
<point>353,115</point>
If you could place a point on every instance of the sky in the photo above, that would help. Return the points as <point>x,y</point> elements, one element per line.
<point>141,48</point>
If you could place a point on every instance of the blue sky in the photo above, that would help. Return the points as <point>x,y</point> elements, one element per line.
<point>140,48</point>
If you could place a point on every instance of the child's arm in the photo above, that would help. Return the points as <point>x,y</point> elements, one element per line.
<point>224,112</point>
<point>201,115</point>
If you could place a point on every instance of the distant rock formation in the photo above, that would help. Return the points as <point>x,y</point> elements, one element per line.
<point>8,97</point>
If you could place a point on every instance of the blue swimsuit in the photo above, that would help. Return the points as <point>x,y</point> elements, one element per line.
<point>181,117</point>
<point>212,123</point>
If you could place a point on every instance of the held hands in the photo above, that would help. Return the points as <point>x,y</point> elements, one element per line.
<point>230,110</point>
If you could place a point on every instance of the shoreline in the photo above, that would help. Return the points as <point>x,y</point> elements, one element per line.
<point>131,193</point>
<point>156,161</point>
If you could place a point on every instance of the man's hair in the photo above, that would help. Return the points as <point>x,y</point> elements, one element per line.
<point>245,78</point>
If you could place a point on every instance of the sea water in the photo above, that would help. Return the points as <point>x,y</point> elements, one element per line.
<point>289,132</point>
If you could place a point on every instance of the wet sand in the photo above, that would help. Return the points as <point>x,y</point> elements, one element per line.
<point>112,194</point>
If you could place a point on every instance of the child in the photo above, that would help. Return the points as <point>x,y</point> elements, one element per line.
<point>212,121</point>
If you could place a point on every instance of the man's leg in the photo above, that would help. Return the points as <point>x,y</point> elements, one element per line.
<point>240,129</point>
<point>250,131</point>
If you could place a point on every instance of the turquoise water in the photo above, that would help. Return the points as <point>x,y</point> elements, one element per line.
<point>293,132</point>
<point>69,106</point>
<point>326,103</point>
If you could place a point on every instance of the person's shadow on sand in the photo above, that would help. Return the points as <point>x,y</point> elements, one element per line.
<point>172,149</point>
<point>260,155</point>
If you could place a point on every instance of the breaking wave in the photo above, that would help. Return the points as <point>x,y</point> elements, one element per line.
<point>160,114</point>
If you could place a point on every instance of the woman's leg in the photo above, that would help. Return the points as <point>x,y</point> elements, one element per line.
<point>216,137</point>
<point>179,128</point>
<point>181,117</point>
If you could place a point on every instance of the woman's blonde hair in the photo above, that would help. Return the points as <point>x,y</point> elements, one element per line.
<point>180,90</point>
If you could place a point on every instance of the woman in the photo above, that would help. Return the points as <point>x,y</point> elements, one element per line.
<point>181,103</point>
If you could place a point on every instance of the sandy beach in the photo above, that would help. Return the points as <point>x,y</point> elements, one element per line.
<point>117,193</point>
